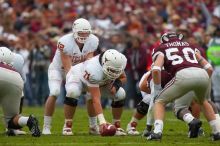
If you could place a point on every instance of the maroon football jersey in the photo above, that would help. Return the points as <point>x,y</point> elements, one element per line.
<point>165,78</point>
<point>177,55</point>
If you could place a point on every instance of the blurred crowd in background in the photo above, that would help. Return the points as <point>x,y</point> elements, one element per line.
<point>32,28</point>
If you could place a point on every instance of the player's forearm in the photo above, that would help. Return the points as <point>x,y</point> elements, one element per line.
<point>156,70</point>
<point>98,110</point>
<point>156,74</point>
<point>145,89</point>
<point>205,64</point>
<point>143,84</point>
<point>90,55</point>
<point>66,62</point>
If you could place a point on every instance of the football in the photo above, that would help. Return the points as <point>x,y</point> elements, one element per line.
<point>107,129</point>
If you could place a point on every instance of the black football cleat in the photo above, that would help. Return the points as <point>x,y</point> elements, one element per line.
<point>10,132</point>
<point>155,136</point>
<point>146,133</point>
<point>33,126</point>
<point>201,132</point>
<point>216,136</point>
<point>194,127</point>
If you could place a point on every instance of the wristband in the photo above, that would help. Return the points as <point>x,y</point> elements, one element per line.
<point>156,68</point>
<point>207,66</point>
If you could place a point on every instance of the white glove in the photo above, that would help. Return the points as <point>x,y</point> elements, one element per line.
<point>120,94</point>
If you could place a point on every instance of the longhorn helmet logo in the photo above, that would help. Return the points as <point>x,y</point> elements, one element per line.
<point>106,59</point>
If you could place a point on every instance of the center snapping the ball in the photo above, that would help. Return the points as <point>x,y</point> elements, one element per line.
<point>107,129</point>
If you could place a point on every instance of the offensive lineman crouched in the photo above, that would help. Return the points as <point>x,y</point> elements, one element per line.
<point>102,75</point>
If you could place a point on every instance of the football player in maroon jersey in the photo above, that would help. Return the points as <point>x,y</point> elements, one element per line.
<point>179,59</point>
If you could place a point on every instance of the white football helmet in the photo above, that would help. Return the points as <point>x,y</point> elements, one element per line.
<point>81,26</point>
<point>6,56</point>
<point>113,63</point>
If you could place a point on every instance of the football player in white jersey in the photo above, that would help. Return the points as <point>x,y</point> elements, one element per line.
<point>101,76</point>
<point>11,85</point>
<point>72,49</point>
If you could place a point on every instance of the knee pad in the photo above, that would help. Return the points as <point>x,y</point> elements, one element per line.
<point>11,124</point>
<point>142,108</point>
<point>73,91</point>
<point>177,114</point>
<point>118,104</point>
<point>70,101</point>
<point>120,94</point>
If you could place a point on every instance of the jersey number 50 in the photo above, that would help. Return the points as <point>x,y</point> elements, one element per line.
<point>176,59</point>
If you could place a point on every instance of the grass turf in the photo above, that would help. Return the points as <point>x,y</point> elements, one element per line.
<point>175,132</point>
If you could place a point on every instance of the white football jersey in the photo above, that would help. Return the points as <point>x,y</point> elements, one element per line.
<point>92,73</point>
<point>68,45</point>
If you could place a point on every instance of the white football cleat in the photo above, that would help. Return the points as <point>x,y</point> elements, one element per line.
<point>67,131</point>
<point>131,129</point>
<point>120,132</point>
<point>46,130</point>
<point>19,132</point>
<point>94,130</point>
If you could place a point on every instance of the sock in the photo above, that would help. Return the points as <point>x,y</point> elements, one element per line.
<point>47,121</point>
<point>150,118</point>
<point>101,119</point>
<point>92,121</point>
<point>215,125</point>
<point>150,115</point>
<point>158,126</point>
<point>22,121</point>
<point>188,118</point>
<point>217,117</point>
<point>68,123</point>
<point>117,123</point>
<point>133,119</point>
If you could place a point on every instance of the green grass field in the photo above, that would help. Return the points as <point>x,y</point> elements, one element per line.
<point>175,132</point>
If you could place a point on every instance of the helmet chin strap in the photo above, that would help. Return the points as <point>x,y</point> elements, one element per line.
<point>100,58</point>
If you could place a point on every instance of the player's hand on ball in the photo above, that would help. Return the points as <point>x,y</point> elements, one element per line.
<point>107,129</point>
